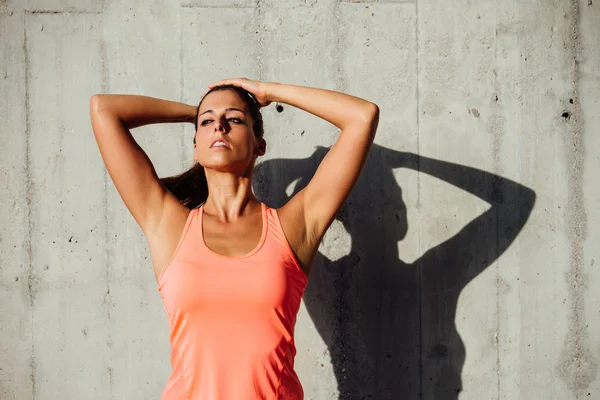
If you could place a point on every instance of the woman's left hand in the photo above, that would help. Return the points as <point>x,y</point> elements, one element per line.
<point>258,89</point>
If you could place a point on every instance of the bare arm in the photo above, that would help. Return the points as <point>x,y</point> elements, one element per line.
<point>310,212</point>
<point>132,172</point>
<point>339,171</point>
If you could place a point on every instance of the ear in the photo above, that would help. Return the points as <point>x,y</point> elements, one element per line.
<point>262,148</point>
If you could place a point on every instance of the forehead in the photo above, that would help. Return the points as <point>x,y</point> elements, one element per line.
<point>222,99</point>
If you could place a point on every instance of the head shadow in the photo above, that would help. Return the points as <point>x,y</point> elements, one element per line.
<point>388,325</point>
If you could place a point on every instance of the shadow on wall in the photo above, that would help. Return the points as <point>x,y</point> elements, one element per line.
<point>389,326</point>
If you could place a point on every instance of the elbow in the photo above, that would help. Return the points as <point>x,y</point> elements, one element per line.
<point>366,118</point>
<point>100,102</point>
<point>372,112</point>
<point>375,108</point>
<point>96,103</point>
<point>372,118</point>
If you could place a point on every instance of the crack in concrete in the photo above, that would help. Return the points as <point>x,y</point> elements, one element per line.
<point>65,11</point>
<point>194,5</point>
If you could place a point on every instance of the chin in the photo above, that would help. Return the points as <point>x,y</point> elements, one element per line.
<point>226,165</point>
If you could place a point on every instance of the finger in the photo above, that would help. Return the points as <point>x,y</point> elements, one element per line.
<point>225,82</point>
<point>212,85</point>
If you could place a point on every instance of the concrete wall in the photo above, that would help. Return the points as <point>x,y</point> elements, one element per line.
<point>464,265</point>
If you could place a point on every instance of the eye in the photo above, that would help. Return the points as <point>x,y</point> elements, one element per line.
<point>234,120</point>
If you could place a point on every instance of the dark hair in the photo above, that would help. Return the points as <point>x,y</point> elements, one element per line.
<point>190,187</point>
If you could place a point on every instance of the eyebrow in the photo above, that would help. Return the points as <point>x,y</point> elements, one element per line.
<point>227,109</point>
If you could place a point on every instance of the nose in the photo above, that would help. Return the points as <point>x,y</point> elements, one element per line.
<point>220,125</point>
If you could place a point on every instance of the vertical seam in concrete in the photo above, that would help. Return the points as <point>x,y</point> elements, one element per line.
<point>257,53</point>
<point>31,281</point>
<point>498,279</point>
<point>183,138</point>
<point>496,147</point>
<point>577,366</point>
<point>259,48</point>
<point>497,335</point>
<point>420,244</point>
<point>340,81</point>
<point>340,348</point>
<point>104,88</point>
<point>277,64</point>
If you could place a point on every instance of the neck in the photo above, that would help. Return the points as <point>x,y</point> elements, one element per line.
<point>229,195</point>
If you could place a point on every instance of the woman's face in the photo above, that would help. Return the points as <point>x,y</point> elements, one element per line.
<point>225,139</point>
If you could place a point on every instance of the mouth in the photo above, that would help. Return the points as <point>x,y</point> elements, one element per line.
<point>220,144</point>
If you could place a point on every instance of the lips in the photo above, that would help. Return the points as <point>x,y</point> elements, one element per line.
<point>226,144</point>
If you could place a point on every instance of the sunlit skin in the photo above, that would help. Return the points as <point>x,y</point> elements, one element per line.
<point>233,214</point>
<point>223,115</point>
<point>229,173</point>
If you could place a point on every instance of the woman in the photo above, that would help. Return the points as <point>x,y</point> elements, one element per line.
<point>230,269</point>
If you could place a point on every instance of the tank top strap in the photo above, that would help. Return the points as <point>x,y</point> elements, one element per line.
<point>187,231</point>
<point>276,234</point>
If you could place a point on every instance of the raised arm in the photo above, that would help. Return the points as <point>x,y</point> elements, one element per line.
<point>337,174</point>
<point>485,238</point>
<point>306,217</point>
<point>129,167</point>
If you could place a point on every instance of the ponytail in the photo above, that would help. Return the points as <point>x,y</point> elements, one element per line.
<point>190,187</point>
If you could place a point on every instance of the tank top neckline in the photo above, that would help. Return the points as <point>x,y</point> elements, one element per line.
<point>258,246</point>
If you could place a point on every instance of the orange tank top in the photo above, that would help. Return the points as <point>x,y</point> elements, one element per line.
<point>232,319</point>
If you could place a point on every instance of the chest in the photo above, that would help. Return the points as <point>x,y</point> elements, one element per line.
<point>212,285</point>
<point>232,240</point>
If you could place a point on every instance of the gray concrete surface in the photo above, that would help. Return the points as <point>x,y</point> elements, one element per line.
<point>463,266</point>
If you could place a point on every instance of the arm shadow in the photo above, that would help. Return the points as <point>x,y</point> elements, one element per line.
<point>389,326</point>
